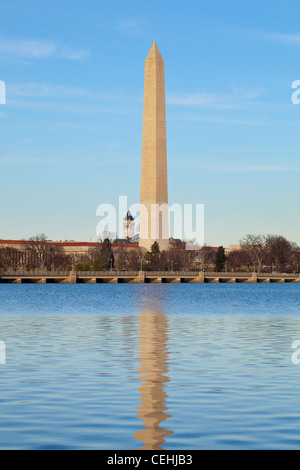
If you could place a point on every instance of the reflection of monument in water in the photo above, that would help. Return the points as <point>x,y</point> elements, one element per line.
<point>153,369</point>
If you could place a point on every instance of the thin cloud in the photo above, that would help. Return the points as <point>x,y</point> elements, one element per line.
<point>30,49</point>
<point>16,159</point>
<point>74,54</point>
<point>46,90</point>
<point>238,168</point>
<point>39,49</point>
<point>289,39</point>
<point>256,169</point>
<point>50,90</point>
<point>132,26</point>
<point>78,107</point>
<point>235,99</point>
<point>195,118</point>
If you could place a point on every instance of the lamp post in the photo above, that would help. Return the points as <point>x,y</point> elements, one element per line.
<point>172,266</point>
<point>225,266</point>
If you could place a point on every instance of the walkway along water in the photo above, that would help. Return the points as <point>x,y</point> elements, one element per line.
<point>119,277</point>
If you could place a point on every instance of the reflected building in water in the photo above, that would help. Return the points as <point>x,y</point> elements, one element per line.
<point>153,370</point>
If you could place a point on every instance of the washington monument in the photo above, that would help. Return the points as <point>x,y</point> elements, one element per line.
<point>154,220</point>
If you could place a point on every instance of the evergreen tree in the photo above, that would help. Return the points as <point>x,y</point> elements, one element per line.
<point>82,266</point>
<point>98,264</point>
<point>220,259</point>
<point>107,254</point>
<point>152,257</point>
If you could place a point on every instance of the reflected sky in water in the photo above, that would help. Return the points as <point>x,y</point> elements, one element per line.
<point>149,367</point>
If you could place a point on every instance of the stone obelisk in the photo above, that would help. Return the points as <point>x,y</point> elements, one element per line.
<point>154,219</point>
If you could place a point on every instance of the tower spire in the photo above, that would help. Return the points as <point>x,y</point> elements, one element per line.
<point>154,224</point>
<point>154,53</point>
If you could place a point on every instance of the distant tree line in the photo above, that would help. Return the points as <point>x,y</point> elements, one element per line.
<point>265,253</point>
<point>256,252</point>
<point>36,253</point>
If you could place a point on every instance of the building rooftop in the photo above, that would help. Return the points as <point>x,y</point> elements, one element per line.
<point>125,242</point>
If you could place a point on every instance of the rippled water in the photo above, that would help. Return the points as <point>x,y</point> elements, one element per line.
<point>149,366</point>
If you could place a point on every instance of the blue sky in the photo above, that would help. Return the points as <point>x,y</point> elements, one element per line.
<point>71,129</point>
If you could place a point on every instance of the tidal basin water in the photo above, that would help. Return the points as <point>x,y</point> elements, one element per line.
<point>126,367</point>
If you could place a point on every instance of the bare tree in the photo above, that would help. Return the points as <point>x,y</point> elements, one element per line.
<point>191,257</point>
<point>57,258</point>
<point>134,257</point>
<point>238,259</point>
<point>295,259</point>
<point>256,247</point>
<point>121,257</point>
<point>280,251</point>
<point>42,254</point>
<point>107,236</point>
<point>176,258</point>
<point>206,256</point>
<point>11,258</point>
<point>36,248</point>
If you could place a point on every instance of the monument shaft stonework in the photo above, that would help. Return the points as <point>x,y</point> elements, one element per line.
<point>154,217</point>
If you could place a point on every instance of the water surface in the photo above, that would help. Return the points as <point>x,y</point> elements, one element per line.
<point>191,366</point>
